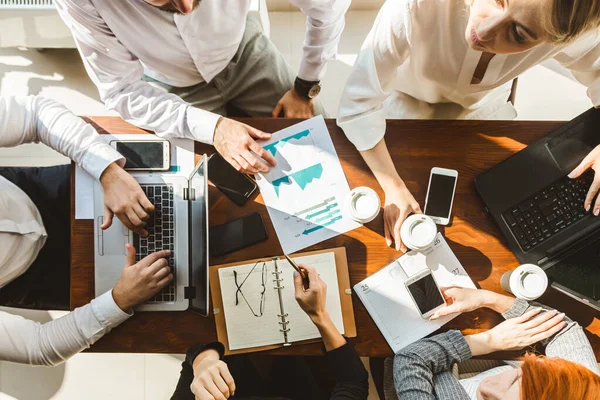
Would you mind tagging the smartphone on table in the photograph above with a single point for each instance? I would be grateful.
(144, 155)
(425, 293)
(440, 195)
(237, 234)
(235, 185)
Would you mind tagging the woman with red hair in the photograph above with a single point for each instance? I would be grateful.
(569, 370)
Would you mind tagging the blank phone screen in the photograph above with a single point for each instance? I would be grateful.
(426, 294)
(142, 154)
(237, 234)
(439, 199)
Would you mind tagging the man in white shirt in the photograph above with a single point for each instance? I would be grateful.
(35, 202)
(175, 66)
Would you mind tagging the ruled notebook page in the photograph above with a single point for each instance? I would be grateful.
(300, 325)
(244, 330)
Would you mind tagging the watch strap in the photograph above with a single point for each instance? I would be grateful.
(304, 87)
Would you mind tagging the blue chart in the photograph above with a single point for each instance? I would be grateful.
(322, 214)
(272, 148)
(302, 177)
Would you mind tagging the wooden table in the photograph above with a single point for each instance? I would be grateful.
(470, 147)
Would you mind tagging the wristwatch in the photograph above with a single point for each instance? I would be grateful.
(308, 89)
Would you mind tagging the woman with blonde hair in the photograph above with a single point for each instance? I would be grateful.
(426, 59)
(569, 370)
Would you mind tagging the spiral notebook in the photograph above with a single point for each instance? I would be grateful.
(255, 306)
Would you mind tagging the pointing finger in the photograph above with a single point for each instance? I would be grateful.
(257, 133)
(582, 167)
(108, 217)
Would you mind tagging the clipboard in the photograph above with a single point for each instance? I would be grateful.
(345, 293)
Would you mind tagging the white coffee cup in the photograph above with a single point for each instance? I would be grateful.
(418, 232)
(362, 204)
(527, 282)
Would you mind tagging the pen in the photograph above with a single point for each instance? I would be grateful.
(296, 267)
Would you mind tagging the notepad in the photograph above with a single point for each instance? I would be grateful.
(387, 300)
(260, 307)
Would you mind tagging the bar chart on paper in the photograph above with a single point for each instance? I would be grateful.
(304, 193)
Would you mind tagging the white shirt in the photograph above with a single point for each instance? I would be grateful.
(28, 342)
(417, 56)
(121, 40)
(35, 119)
(22, 233)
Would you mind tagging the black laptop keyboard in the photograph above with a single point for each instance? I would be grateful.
(549, 211)
(160, 235)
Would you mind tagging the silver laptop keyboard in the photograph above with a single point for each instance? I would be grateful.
(160, 235)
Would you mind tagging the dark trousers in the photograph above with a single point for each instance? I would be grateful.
(268, 377)
(45, 285)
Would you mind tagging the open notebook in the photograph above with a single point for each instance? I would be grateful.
(388, 302)
(260, 307)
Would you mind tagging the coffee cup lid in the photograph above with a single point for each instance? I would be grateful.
(530, 281)
(362, 204)
(418, 231)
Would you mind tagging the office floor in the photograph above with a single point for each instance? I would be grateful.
(544, 93)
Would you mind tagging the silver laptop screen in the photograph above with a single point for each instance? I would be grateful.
(199, 237)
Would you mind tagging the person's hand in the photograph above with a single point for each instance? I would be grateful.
(124, 197)
(235, 142)
(399, 204)
(459, 299)
(312, 299)
(592, 160)
(517, 333)
(294, 106)
(212, 379)
(139, 282)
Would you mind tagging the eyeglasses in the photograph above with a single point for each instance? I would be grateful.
(238, 292)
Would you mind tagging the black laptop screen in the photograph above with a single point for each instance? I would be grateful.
(580, 272)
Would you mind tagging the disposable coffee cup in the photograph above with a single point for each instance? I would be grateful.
(418, 232)
(362, 204)
(527, 282)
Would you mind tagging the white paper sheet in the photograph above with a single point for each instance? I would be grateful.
(305, 193)
(182, 156)
(388, 302)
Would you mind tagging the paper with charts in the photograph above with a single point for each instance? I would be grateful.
(387, 300)
(305, 192)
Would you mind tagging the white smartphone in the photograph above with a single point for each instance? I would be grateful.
(425, 293)
(440, 195)
(144, 155)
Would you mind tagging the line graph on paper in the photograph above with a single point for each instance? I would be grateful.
(304, 193)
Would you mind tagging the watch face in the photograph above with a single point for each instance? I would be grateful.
(314, 91)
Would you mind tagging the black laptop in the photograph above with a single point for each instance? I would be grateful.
(539, 209)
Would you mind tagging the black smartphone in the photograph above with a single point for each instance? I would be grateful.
(235, 185)
(237, 234)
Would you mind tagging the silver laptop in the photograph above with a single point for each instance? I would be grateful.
(179, 224)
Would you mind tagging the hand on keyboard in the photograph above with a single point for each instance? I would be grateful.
(142, 280)
(124, 197)
(592, 160)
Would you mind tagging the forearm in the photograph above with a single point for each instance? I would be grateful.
(167, 115)
(52, 343)
(416, 365)
(380, 162)
(496, 301)
(324, 27)
(31, 119)
(332, 338)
